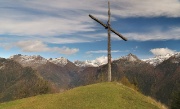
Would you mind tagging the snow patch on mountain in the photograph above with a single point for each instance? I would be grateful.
(36, 61)
(176, 58)
(87, 63)
(24, 59)
(133, 58)
(103, 60)
(92, 63)
(177, 55)
(59, 61)
(159, 59)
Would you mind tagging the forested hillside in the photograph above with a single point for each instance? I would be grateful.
(19, 82)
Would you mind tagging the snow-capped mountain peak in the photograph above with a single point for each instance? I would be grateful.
(160, 58)
(26, 60)
(87, 63)
(92, 63)
(59, 61)
(103, 60)
(130, 57)
(37, 60)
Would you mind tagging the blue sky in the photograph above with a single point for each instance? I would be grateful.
(62, 28)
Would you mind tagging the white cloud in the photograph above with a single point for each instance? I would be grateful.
(57, 17)
(43, 27)
(172, 33)
(59, 21)
(125, 8)
(38, 46)
(56, 40)
(66, 50)
(144, 8)
(102, 59)
(162, 51)
(32, 46)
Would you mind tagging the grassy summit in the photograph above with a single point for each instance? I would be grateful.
(96, 96)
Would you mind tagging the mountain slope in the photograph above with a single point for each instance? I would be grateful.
(137, 71)
(96, 96)
(59, 71)
(159, 59)
(19, 82)
(169, 83)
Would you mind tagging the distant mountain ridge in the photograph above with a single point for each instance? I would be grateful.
(129, 57)
(96, 63)
(59, 61)
(59, 71)
(153, 61)
(88, 63)
(36, 60)
(159, 59)
(25, 60)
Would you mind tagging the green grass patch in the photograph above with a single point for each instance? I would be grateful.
(96, 96)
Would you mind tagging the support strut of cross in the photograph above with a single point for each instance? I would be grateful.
(108, 26)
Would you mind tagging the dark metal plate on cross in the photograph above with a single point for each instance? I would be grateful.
(107, 26)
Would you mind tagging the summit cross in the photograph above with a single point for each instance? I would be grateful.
(109, 30)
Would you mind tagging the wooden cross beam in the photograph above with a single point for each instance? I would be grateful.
(121, 36)
(108, 26)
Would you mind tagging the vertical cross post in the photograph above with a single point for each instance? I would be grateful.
(109, 43)
(108, 26)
